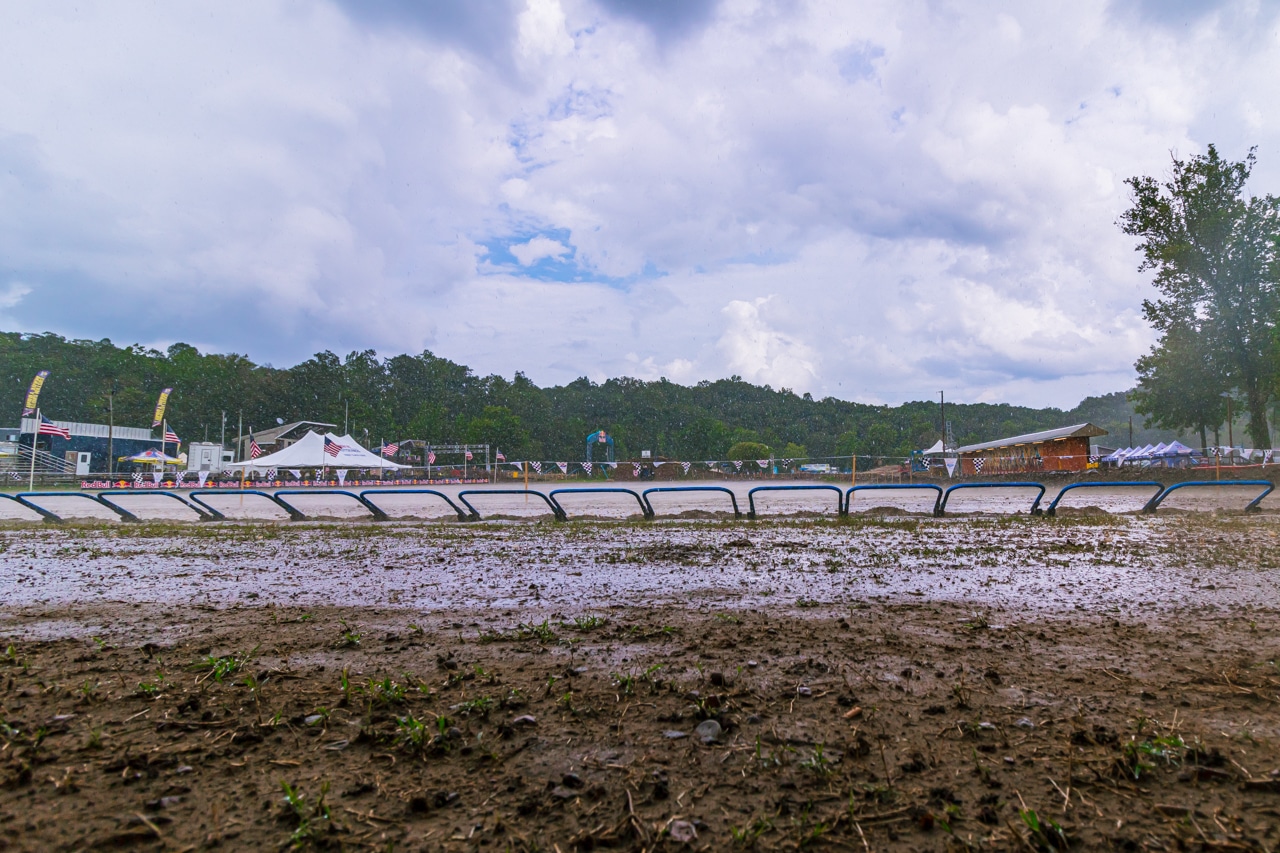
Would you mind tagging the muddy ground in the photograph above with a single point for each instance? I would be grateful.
(1091, 683)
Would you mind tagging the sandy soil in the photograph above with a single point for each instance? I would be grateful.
(876, 684)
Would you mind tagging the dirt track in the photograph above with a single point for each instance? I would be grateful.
(905, 684)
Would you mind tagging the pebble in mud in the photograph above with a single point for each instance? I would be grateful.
(708, 730)
(674, 735)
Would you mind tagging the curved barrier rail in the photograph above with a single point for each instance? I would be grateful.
(751, 495)
(105, 497)
(21, 498)
(195, 498)
(1052, 510)
(1266, 485)
(1035, 504)
(644, 510)
(475, 516)
(378, 514)
(737, 513)
(848, 495)
(41, 511)
(364, 495)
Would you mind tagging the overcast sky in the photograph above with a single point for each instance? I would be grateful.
(869, 200)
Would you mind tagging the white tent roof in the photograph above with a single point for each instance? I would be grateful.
(936, 450)
(308, 452)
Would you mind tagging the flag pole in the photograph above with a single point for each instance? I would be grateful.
(35, 435)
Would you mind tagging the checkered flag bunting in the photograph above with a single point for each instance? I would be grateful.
(977, 465)
(536, 466)
(686, 466)
(271, 473)
(137, 478)
(737, 464)
(636, 466)
(586, 466)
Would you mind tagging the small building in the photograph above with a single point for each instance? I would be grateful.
(278, 438)
(1062, 449)
(96, 440)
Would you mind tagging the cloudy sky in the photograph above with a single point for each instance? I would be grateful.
(870, 200)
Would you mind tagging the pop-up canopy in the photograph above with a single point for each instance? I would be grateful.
(310, 452)
(150, 457)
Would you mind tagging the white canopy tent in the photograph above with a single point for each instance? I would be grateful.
(309, 452)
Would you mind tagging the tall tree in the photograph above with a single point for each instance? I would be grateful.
(1216, 259)
(1177, 386)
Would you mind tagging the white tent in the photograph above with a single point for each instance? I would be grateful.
(309, 452)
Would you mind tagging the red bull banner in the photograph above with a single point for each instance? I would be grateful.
(160, 404)
(33, 393)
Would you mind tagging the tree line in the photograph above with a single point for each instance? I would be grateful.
(433, 399)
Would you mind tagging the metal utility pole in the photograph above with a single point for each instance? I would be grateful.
(942, 404)
(111, 430)
(346, 415)
(1131, 430)
(223, 438)
(239, 435)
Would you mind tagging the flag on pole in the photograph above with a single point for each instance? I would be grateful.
(171, 437)
(33, 393)
(254, 450)
(431, 457)
(390, 449)
(48, 427)
(332, 447)
(498, 455)
(158, 418)
(469, 456)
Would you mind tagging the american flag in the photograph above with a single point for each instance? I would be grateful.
(254, 450)
(332, 447)
(498, 455)
(390, 449)
(469, 456)
(171, 437)
(48, 427)
(431, 457)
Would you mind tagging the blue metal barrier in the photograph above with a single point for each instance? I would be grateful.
(462, 516)
(21, 498)
(378, 515)
(41, 511)
(751, 495)
(105, 496)
(230, 493)
(1267, 486)
(1035, 504)
(644, 510)
(737, 513)
(848, 495)
(1053, 505)
(475, 516)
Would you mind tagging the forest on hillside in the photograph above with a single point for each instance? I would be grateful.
(433, 399)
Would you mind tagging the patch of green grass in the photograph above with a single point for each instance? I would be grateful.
(481, 706)
(818, 763)
(222, 666)
(310, 819)
(1046, 834)
(586, 623)
(385, 692)
(350, 635)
